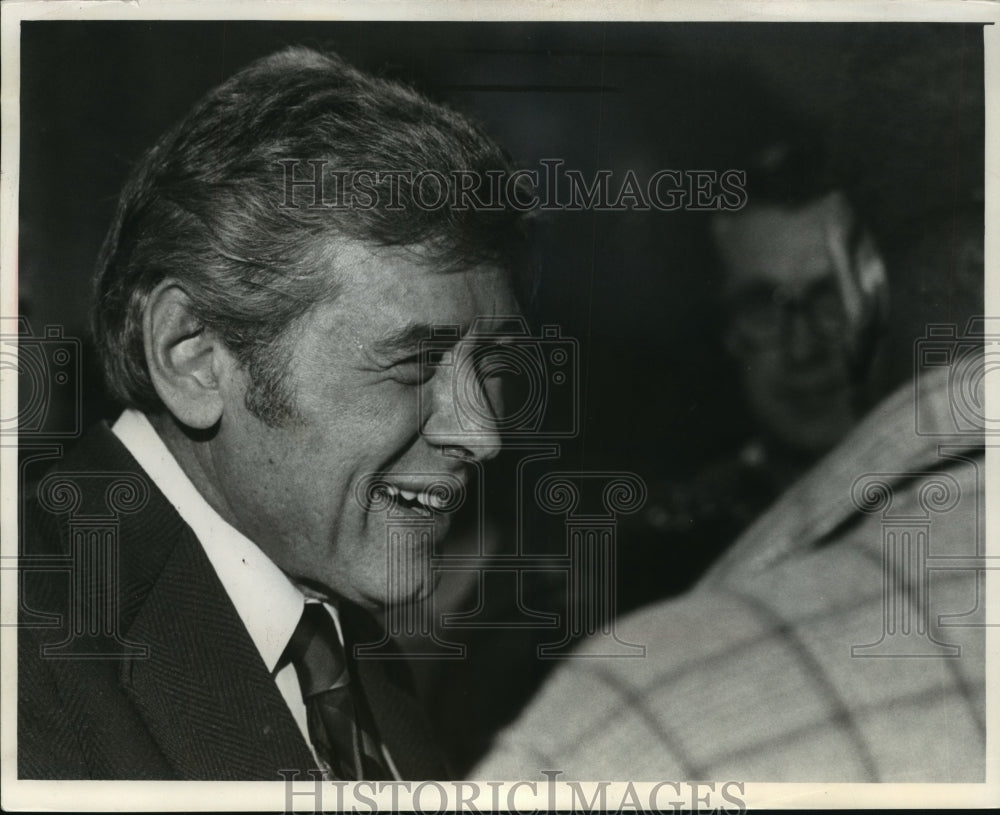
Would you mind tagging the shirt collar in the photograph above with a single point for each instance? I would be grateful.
(267, 601)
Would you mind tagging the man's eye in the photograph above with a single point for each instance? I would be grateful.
(413, 370)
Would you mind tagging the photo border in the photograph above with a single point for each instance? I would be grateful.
(270, 796)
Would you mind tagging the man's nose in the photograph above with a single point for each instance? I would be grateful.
(800, 338)
(466, 410)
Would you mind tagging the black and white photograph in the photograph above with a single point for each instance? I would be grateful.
(494, 409)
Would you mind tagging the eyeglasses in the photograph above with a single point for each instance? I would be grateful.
(763, 312)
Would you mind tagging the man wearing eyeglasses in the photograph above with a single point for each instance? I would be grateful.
(822, 644)
(803, 291)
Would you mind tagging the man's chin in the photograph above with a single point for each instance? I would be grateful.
(401, 611)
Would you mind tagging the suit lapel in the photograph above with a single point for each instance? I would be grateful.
(204, 691)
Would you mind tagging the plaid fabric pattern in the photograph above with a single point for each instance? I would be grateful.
(752, 676)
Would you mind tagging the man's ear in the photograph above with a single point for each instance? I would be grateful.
(188, 364)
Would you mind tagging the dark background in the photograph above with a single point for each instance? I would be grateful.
(900, 106)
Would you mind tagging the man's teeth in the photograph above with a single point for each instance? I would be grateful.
(425, 499)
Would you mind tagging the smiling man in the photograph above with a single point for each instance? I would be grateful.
(267, 349)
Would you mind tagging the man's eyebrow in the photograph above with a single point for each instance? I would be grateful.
(406, 339)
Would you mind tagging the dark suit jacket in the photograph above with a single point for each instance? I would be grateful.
(174, 687)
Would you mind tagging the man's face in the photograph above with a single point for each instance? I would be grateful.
(788, 323)
(366, 405)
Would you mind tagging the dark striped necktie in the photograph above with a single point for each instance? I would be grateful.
(341, 739)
